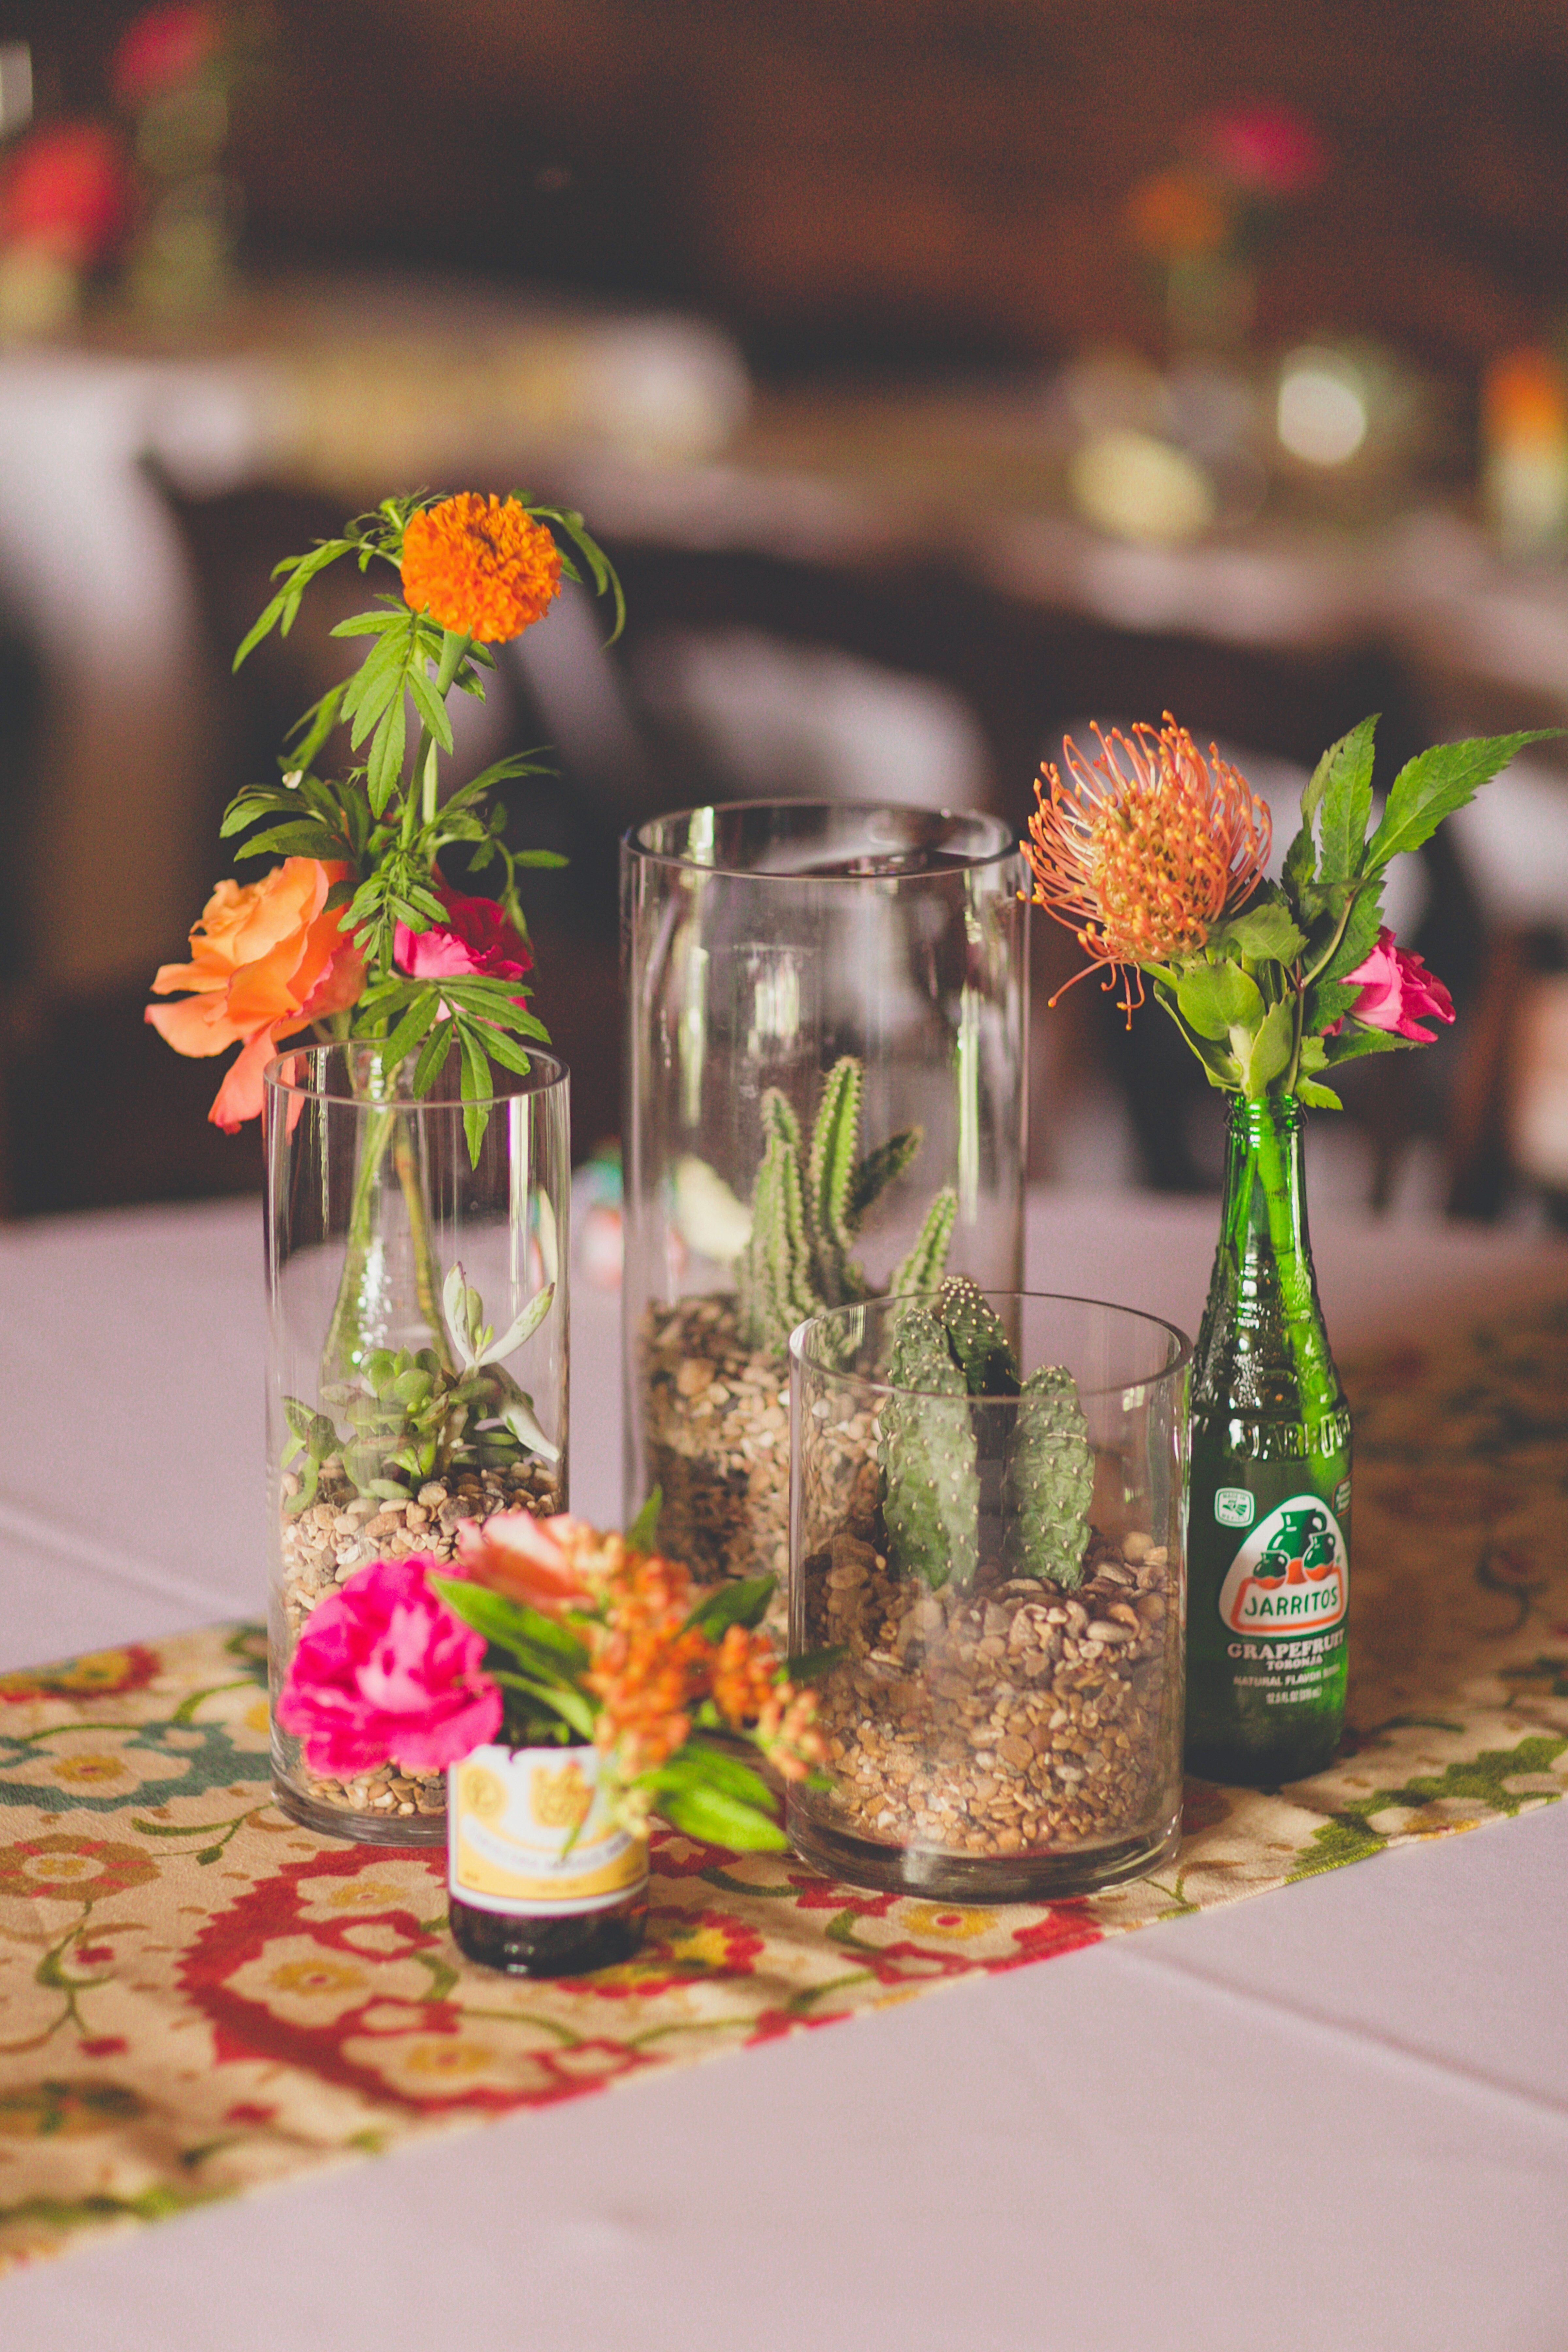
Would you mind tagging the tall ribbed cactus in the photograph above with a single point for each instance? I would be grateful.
(808, 1209)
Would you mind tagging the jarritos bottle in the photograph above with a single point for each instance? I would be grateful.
(542, 1880)
(1269, 1527)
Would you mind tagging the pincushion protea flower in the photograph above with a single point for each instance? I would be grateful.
(1147, 848)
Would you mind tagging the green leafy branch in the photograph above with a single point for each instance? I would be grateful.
(1256, 1005)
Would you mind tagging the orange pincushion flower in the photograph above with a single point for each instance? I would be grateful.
(482, 567)
(1148, 849)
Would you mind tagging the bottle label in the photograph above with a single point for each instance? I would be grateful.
(529, 1834)
(1290, 1578)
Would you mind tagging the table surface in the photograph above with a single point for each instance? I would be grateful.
(1338, 2115)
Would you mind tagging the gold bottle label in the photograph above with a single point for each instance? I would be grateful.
(529, 1834)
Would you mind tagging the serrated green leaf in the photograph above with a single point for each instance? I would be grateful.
(1353, 1042)
(1316, 1096)
(475, 1092)
(1266, 929)
(431, 708)
(385, 764)
(1346, 803)
(1300, 862)
(1214, 999)
(433, 1056)
(1436, 783)
(299, 840)
(410, 1029)
(1360, 937)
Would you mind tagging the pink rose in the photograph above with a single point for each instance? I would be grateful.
(1397, 992)
(384, 1669)
(476, 938)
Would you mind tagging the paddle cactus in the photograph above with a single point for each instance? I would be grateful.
(808, 1206)
(1049, 1478)
(950, 1364)
(930, 1502)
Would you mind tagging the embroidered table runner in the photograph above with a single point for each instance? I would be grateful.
(197, 1996)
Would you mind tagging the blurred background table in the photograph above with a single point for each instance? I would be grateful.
(1340, 2113)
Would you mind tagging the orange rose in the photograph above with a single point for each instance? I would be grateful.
(268, 958)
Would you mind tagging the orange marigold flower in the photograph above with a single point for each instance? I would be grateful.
(1146, 850)
(482, 567)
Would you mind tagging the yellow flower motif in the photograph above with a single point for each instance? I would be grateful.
(90, 1772)
(948, 1919)
(317, 1977)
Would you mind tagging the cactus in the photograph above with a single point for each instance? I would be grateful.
(979, 1347)
(1048, 1480)
(796, 1260)
(946, 1362)
(930, 1502)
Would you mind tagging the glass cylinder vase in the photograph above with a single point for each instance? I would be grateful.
(827, 1011)
(987, 1522)
(417, 1352)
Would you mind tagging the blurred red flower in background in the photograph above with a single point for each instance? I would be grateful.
(161, 49)
(65, 188)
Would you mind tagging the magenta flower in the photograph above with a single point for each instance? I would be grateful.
(384, 1670)
(1398, 992)
(475, 938)
(1267, 147)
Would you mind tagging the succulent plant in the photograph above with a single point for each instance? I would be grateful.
(414, 1414)
(808, 1206)
(1049, 1479)
(949, 1359)
(931, 1498)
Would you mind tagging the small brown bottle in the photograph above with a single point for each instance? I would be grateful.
(542, 1881)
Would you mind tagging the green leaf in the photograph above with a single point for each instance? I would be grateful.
(1318, 1097)
(1436, 783)
(476, 1090)
(810, 1666)
(433, 1056)
(1300, 862)
(1346, 794)
(301, 839)
(386, 757)
(411, 1028)
(559, 1697)
(643, 1532)
(1264, 931)
(741, 1601)
(511, 1624)
(701, 1764)
(717, 1819)
(1351, 1043)
(1215, 999)
(1360, 935)
(1264, 1055)
(431, 708)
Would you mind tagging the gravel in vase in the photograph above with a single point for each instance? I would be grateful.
(338, 1534)
(1008, 1716)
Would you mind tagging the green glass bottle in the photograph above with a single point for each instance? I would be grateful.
(1268, 1524)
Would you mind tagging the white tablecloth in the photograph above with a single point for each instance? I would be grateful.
(1337, 2115)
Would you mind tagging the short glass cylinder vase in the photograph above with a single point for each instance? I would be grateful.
(416, 1351)
(541, 1881)
(987, 1517)
(826, 1047)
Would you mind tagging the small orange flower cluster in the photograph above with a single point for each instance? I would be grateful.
(748, 1688)
(1148, 849)
(483, 568)
(647, 1668)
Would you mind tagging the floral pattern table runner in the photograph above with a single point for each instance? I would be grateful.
(197, 1996)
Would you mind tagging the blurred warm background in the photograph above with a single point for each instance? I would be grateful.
(941, 375)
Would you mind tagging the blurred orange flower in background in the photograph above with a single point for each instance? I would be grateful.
(1177, 213)
(482, 567)
(267, 957)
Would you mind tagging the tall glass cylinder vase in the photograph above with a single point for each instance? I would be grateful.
(417, 1352)
(827, 1012)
